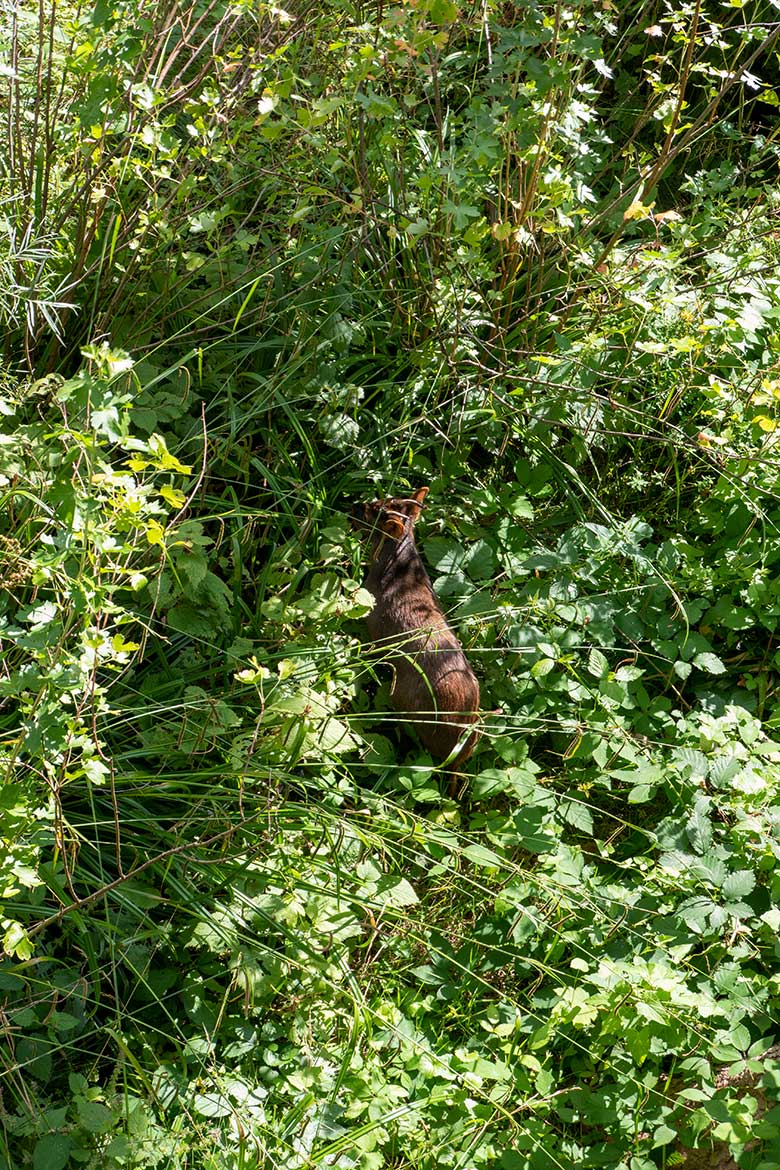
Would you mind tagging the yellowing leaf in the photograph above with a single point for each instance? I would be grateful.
(154, 532)
(637, 210)
(173, 497)
(766, 423)
(120, 646)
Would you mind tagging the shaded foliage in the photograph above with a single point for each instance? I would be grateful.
(259, 264)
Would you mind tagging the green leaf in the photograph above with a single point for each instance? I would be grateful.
(521, 507)
(52, 1152)
(663, 1135)
(640, 794)
(598, 664)
(95, 1117)
(482, 856)
(699, 827)
(480, 561)
(392, 890)
(578, 815)
(739, 885)
(710, 663)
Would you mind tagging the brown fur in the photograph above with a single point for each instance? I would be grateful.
(433, 684)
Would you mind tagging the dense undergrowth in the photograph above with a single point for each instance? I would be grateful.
(259, 264)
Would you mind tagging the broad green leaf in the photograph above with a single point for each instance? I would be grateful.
(710, 663)
(482, 856)
(598, 664)
(578, 815)
(52, 1152)
(96, 1117)
(739, 884)
(392, 890)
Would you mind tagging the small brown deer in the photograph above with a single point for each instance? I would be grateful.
(433, 684)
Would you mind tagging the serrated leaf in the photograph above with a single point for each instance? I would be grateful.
(738, 885)
(628, 673)
(698, 826)
(598, 664)
(94, 1116)
(444, 555)
(696, 762)
(723, 770)
(522, 508)
(695, 914)
(578, 815)
(489, 782)
(173, 496)
(480, 561)
(52, 1152)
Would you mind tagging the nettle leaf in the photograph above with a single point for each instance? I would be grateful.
(52, 1152)
(95, 1117)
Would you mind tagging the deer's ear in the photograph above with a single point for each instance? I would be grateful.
(416, 508)
(393, 527)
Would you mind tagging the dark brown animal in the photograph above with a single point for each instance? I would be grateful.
(433, 684)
